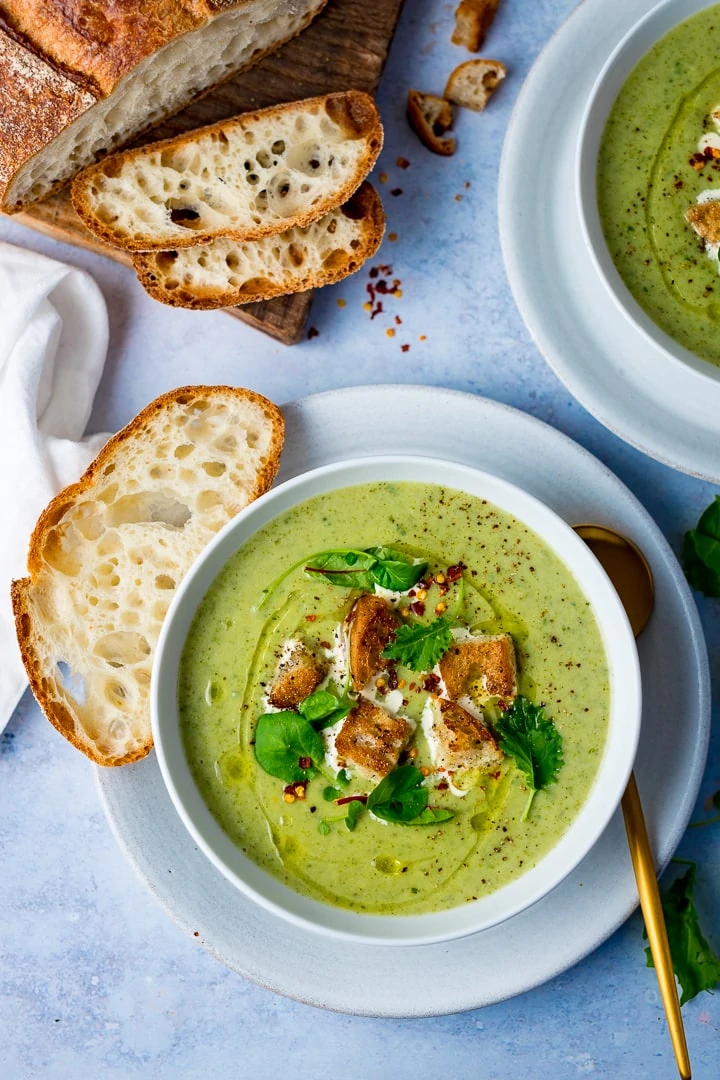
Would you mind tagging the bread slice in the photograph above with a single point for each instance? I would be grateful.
(254, 175)
(223, 272)
(80, 80)
(430, 117)
(108, 552)
(473, 19)
(472, 84)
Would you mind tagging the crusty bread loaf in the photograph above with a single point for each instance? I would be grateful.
(472, 84)
(107, 553)
(251, 176)
(226, 272)
(80, 79)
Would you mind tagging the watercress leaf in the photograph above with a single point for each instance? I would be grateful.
(354, 810)
(349, 569)
(695, 964)
(281, 739)
(431, 815)
(324, 827)
(342, 779)
(528, 736)
(419, 647)
(323, 708)
(701, 552)
(400, 797)
(330, 794)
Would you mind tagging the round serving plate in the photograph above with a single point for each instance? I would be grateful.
(510, 958)
(616, 366)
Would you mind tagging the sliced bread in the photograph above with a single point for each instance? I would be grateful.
(108, 552)
(472, 84)
(223, 272)
(254, 175)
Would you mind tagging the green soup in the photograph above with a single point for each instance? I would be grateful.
(650, 172)
(512, 583)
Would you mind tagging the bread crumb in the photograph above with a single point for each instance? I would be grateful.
(423, 337)
(340, 302)
(390, 332)
(396, 191)
(402, 163)
(383, 178)
(313, 332)
(405, 348)
(398, 320)
(458, 198)
(392, 237)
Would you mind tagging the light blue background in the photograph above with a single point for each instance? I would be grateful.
(95, 980)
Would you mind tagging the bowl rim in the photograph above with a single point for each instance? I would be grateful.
(528, 888)
(626, 55)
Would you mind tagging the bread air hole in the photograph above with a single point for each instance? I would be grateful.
(213, 468)
(122, 648)
(116, 693)
(184, 450)
(164, 581)
(62, 550)
(149, 506)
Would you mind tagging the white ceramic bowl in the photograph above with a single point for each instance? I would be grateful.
(605, 794)
(620, 64)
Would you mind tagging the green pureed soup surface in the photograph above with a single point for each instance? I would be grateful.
(651, 171)
(512, 582)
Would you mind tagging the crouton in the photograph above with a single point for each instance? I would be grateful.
(487, 660)
(371, 739)
(298, 674)
(472, 22)
(705, 220)
(459, 741)
(430, 117)
(371, 624)
(472, 84)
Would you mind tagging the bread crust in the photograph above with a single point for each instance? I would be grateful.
(487, 73)
(54, 710)
(361, 118)
(430, 117)
(40, 97)
(364, 204)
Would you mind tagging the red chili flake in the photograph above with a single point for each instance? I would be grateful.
(313, 332)
(396, 191)
(417, 608)
(374, 271)
(454, 572)
(496, 775)
(405, 348)
(431, 683)
(378, 310)
(411, 592)
(443, 785)
(382, 287)
(297, 790)
(304, 762)
(385, 269)
(325, 645)
(310, 618)
(412, 686)
(398, 320)
(707, 153)
(196, 933)
(503, 706)
(392, 678)
(405, 702)
(352, 798)
(402, 163)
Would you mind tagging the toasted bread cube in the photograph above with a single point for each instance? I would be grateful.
(705, 220)
(298, 674)
(459, 741)
(472, 22)
(491, 660)
(472, 84)
(371, 739)
(430, 117)
(371, 624)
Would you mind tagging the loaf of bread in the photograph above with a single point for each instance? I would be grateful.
(226, 272)
(108, 552)
(80, 79)
(251, 176)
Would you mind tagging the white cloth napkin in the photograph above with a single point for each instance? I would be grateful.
(53, 342)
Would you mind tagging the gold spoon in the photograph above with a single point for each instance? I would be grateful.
(628, 569)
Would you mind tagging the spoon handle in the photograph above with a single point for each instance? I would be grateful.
(651, 906)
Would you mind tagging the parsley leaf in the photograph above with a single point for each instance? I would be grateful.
(419, 647)
(701, 552)
(695, 965)
(354, 569)
(323, 708)
(281, 740)
(528, 736)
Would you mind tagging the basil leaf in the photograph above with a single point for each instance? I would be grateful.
(419, 647)
(323, 708)
(281, 739)
(431, 816)
(528, 736)
(354, 810)
(695, 964)
(701, 552)
(350, 569)
(400, 797)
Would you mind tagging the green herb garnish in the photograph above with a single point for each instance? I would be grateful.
(402, 799)
(324, 827)
(324, 708)
(353, 569)
(419, 647)
(695, 964)
(526, 734)
(701, 552)
(354, 810)
(282, 741)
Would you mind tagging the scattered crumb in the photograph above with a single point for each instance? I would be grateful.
(313, 332)
(340, 302)
(423, 337)
(367, 306)
(398, 320)
(383, 178)
(396, 191)
(458, 198)
(392, 237)
(390, 332)
(467, 183)
(402, 163)
(405, 348)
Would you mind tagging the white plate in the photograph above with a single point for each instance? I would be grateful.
(572, 920)
(667, 409)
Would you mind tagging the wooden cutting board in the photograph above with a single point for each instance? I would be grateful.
(344, 47)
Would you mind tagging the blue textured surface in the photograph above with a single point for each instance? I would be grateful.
(95, 981)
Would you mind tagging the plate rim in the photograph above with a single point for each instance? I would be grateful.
(702, 674)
